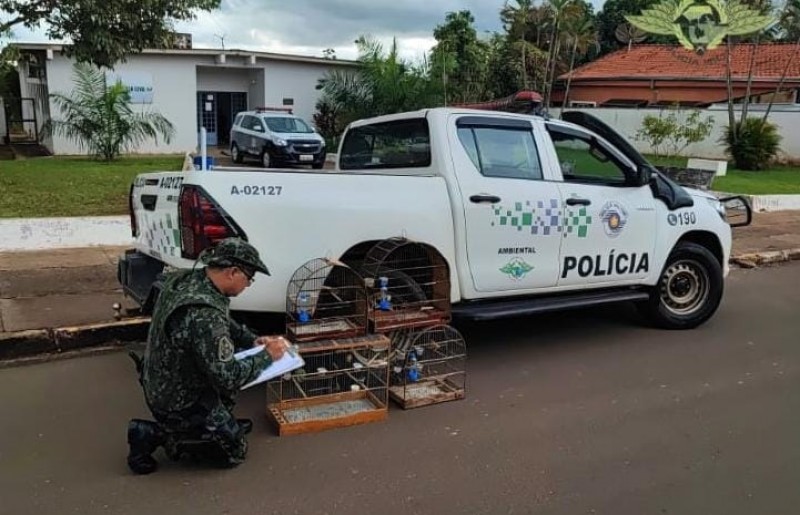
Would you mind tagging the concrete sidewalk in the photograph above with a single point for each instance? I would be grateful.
(47, 290)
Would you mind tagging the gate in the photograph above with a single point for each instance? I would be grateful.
(21, 123)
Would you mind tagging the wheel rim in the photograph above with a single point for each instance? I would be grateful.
(684, 287)
(235, 153)
(265, 159)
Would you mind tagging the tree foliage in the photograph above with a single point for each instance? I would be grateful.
(102, 32)
(459, 59)
(383, 83)
(98, 116)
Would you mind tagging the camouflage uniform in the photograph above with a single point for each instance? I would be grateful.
(189, 375)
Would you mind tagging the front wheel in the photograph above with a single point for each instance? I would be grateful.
(689, 290)
(266, 160)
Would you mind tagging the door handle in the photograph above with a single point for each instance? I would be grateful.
(480, 199)
(149, 202)
(572, 201)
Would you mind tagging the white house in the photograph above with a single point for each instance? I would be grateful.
(190, 87)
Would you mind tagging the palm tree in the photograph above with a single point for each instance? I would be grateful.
(98, 116)
(581, 34)
(561, 10)
(383, 83)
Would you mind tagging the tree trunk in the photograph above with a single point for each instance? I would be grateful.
(749, 78)
(551, 56)
(729, 84)
(565, 104)
(783, 78)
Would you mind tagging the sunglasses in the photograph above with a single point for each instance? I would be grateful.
(251, 275)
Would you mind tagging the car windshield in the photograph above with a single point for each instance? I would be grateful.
(287, 124)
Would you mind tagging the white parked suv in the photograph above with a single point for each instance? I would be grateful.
(276, 138)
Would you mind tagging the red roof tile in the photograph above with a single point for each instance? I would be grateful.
(667, 61)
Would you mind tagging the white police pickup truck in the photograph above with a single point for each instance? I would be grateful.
(530, 215)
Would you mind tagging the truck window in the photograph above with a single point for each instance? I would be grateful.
(502, 152)
(400, 144)
(584, 159)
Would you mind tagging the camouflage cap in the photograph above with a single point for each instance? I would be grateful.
(234, 252)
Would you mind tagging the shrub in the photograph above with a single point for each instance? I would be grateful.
(753, 145)
(668, 137)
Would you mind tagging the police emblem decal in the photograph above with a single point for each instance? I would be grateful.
(225, 349)
(614, 217)
(516, 269)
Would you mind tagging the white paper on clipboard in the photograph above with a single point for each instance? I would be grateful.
(291, 360)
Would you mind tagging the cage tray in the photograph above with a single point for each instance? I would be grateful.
(326, 412)
(406, 318)
(426, 392)
(327, 329)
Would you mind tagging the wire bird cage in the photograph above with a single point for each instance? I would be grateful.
(428, 367)
(325, 299)
(408, 284)
(337, 387)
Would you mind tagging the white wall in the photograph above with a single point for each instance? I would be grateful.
(291, 80)
(2, 122)
(628, 121)
(177, 78)
(174, 87)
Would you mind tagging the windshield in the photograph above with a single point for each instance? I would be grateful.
(287, 124)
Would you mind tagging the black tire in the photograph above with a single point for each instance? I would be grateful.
(688, 291)
(265, 158)
(318, 166)
(236, 154)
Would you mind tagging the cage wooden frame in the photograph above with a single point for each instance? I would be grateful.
(293, 399)
(418, 283)
(333, 297)
(438, 354)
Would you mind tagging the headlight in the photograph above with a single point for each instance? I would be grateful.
(279, 142)
(717, 205)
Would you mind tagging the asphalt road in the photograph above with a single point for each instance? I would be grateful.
(577, 413)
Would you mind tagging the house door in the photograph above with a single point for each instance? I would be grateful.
(207, 116)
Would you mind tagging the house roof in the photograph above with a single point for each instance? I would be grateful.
(58, 47)
(643, 62)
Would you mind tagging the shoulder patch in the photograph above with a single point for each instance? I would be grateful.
(225, 349)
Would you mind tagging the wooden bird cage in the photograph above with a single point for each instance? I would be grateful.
(428, 367)
(337, 387)
(325, 299)
(408, 285)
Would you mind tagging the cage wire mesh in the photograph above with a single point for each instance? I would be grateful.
(408, 283)
(325, 299)
(333, 389)
(428, 367)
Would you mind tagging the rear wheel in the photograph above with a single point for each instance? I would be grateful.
(689, 290)
(236, 154)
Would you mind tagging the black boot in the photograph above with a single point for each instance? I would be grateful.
(144, 437)
(245, 425)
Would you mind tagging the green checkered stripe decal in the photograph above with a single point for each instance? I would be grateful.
(162, 235)
(577, 223)
(543, 217)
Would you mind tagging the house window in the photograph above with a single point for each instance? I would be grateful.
(288, 101)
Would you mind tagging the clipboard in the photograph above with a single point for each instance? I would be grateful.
(291, 360)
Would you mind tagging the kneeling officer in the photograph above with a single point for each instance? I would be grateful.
(189, 375)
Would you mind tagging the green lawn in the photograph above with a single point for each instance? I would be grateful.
(73, 186)
(778, 180)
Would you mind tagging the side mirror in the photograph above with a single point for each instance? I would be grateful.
(643, 175)
(258, 128)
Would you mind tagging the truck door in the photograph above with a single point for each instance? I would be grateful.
(609, 218)
(511, 217)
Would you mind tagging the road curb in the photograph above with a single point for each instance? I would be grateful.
(754, 259)
(21, 344)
